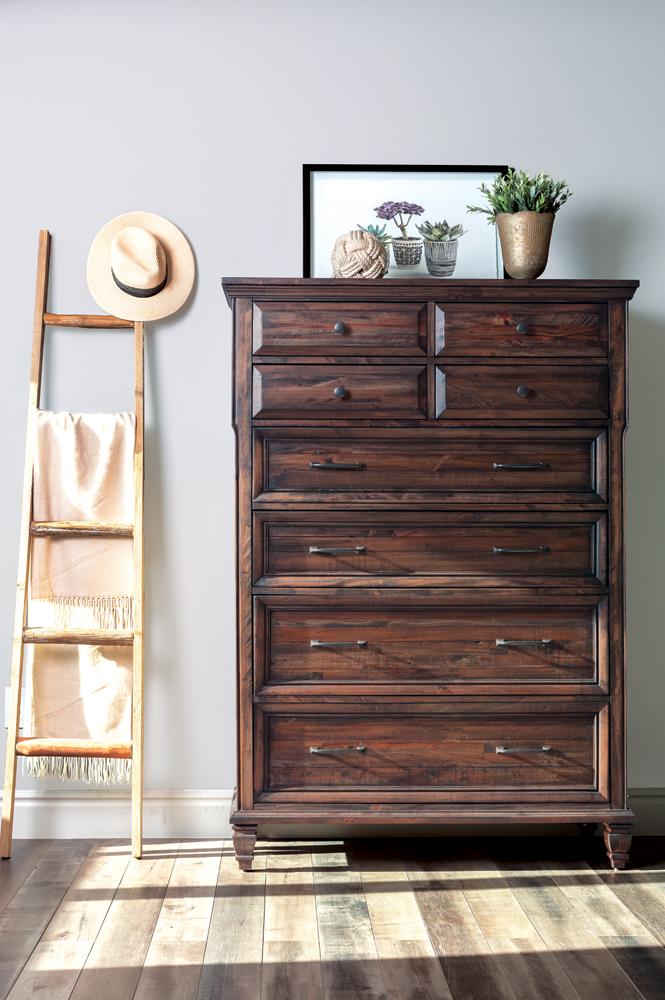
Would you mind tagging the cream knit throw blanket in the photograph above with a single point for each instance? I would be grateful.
(83, 472)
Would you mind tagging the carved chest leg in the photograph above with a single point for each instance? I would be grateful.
(244, 841)
(618, 837)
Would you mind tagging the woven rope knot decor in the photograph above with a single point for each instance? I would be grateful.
(358, 255)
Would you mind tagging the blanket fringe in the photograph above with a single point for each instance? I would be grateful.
(114, 613)
(93, 770)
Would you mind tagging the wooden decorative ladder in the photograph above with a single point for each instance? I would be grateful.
(22, 635)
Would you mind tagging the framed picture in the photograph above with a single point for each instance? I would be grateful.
(337, 199)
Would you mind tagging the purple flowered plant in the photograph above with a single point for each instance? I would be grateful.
(396, 210)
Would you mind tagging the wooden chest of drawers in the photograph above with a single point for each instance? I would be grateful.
(430, 553)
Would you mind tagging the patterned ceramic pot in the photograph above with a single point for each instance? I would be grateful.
(441, 257)
(525, 242)
(407, 252)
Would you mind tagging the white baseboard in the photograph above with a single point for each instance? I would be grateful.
(62, 814)
(203, 813)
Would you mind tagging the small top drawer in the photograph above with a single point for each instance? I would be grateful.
(328, 328)
(552, 330)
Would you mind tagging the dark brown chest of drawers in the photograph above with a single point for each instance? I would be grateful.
(430, 553)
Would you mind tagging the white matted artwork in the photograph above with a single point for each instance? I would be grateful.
(338, 199)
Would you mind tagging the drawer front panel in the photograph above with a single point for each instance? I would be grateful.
(336, 392)
(320, 328)
(474, 751)
(561, 547)
(520, 391)
(497, 463)
(481, 646)
(522, 330)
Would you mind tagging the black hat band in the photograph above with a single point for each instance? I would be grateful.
(140, 293)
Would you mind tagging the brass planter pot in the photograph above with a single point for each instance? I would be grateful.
(525, 242)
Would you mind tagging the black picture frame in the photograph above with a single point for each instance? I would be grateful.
(310, 168)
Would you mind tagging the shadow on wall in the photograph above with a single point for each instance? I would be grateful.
(606, 243)
(645, 545)
(164, 624)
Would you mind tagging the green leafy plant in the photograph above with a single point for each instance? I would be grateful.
(517, 191)
(440, 232)
(378, 232)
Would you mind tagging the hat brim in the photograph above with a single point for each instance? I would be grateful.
(180, 263)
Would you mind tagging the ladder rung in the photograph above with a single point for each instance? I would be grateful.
(39, 746)
(88, 528)
(79, 636)
(100, 322)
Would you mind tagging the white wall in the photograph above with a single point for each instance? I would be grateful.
(204, 112)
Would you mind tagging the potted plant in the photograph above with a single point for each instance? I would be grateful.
(441, 241)
(379, 233)
(407, 250)
(523, 208)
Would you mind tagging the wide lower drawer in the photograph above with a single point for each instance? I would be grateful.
(510, 752)
(506, 465)
(336, 392)
(523, 330)
(545, 392)
(369, 645)
(310, 548)
(340, 328)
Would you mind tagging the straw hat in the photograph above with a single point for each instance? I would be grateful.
(140, 267)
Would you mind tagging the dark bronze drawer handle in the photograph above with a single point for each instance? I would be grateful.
(325, 644)
(320, 550)
(519, 467)
(543, 749)
(500, 550)
(523, 390)
(359, 749)
(339, 327)
(523, 642)
(340, 392)
(522, 327)
(337, 465)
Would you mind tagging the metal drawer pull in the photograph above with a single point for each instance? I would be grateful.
(523, 642)
(543, 749)
(339, 327)
(519, 467)
(500, 550)
(340, 392)
(358, 749)
(320, 550)
(337, 465)
(323, 643)
(522, 327)
(522, 390)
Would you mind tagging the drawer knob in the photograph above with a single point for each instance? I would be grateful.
(358, 749)
(543, 749)
(340, 392)
(521, 466)
(523, 642)
(522, 390)
(501, 550)
(339, 327)
(522, 326)
(329, 644)
(357, 466)
(326, 550)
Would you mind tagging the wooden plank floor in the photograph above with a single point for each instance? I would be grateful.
(430, 919)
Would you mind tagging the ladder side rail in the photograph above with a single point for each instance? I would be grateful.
(36, 364)
(138, 649)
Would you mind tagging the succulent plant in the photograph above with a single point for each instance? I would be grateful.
(440, 232)
(516, 191)
(378, 232)
(396, 210)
